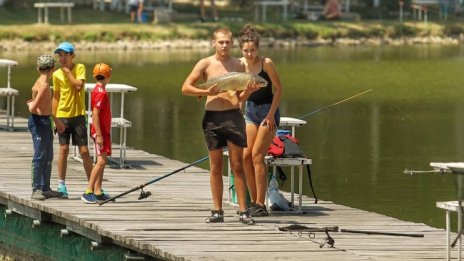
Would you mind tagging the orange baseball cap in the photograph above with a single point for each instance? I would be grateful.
(102, 69)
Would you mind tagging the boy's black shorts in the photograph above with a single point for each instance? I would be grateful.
(76, 128)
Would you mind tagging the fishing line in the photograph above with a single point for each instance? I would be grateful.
(403, 112)
(326, 133)
(411, 118)
(326, 129)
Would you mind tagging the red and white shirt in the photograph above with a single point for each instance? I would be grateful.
(100, 101)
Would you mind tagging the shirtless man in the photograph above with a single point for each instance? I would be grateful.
(39, 125)
(223, 124)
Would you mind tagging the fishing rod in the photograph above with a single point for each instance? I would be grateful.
(368, 232)
(434, 171)
(334, 104)
(146, 194)
(330, 241)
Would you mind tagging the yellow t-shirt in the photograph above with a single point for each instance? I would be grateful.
(72, 101)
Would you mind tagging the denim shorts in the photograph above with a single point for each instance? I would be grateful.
(255, 113)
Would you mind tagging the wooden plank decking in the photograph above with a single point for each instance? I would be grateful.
(170, 224)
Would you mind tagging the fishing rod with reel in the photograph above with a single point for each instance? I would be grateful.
(146, 194)
(329, 241)
(457, 170)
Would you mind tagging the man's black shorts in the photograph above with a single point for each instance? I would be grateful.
(222, 126)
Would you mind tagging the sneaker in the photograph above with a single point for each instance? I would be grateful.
(217, 216)
(63, 190)
(245, 218)
(258, 211)
(250, 207)
(106, 193)
(89, 198)
(103, 197)
(37, 195)
(52, 194)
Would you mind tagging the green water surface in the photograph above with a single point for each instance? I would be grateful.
(412, 116)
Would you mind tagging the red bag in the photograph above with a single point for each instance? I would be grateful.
(276, 149)
(285, 146)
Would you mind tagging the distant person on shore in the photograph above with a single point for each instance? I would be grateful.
(135, 9)
(332, 10)
(100, 132)
(68, 106)
(214, 11)
(40, 126)
(262, 119)
(223, 124)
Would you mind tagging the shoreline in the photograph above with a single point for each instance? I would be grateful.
(131, 45)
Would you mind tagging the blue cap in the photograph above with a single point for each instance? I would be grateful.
(65, 47)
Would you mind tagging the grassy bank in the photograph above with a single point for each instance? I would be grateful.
(95, 26)
(113, 32)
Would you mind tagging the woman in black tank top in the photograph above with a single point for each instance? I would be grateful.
(262, 118)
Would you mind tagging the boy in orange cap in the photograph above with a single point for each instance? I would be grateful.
(100, 132)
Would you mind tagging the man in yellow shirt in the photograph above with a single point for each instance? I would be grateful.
(68, 106)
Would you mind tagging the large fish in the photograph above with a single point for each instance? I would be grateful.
(234, 81)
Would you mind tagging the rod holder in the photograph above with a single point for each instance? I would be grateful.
(129, 256)
(35, 223)
(8, 212)
(64, 232)
(94, 245)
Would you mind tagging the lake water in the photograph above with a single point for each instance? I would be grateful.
(360, 148)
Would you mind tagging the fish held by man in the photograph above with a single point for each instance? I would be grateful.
(234, 81)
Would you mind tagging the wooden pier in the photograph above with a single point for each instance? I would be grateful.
(170, 225)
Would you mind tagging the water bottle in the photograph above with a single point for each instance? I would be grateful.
(273, 184)
(276, 200)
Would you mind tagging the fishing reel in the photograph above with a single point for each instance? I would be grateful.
(328, 241)
(144, 194)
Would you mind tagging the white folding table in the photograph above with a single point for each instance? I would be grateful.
(45, 6)
(9, 93)
(456, 168)
(283, 162)
(264, 4)
(116, 122)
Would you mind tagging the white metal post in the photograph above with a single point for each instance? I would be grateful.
(448, 228)
(46, 14)
(459, 230)
(300, 189)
